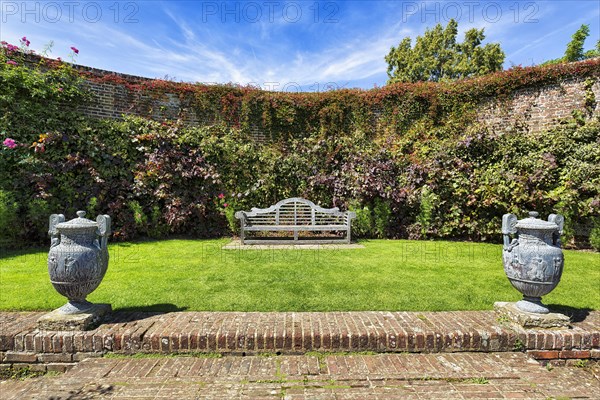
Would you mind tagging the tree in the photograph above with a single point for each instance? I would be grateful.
(437, 56)
(593, 52)
(574, 50)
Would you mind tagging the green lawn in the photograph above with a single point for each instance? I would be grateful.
(386, 275)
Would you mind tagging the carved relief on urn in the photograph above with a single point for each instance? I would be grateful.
(533, 259)
(78, 258)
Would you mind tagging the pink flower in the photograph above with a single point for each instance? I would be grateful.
(10, 143)
(60, 89)
(11, 47)
(225, 204)
(75, 49)
(24, 39)
(221, 196)
(59, 59)
(11, 62)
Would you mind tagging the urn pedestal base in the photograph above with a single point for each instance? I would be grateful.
(532, 305)
(57, 320)
(531, 320)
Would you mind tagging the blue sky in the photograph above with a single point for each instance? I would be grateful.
(282, 45)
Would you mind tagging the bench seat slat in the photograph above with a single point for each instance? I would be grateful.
(291, 222)
(298, 216)
(298, 220)
(289, 241)
(295, 227)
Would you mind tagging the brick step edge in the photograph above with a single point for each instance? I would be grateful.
(62, 362)
(39, 367)
(430, 342)
(564, 354)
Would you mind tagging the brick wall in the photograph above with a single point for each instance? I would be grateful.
(113, 100)
(537, 109)
(530, 108)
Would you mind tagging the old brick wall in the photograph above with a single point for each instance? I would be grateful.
(113, 99)
(532, 108)
(539, 108)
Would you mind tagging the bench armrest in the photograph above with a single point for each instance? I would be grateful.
(351, 216)
(241, 216)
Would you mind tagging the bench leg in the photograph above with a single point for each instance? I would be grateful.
(348, 237)
(242, 235)
(295, 236)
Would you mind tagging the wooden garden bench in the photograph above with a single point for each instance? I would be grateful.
(295, 215)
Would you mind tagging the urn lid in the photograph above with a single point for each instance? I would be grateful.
(78, 224)
(534, 223)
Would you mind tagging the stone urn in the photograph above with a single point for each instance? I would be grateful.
(78, 258)
(532, 257)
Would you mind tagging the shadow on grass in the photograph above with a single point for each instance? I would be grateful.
(36, 251)
(131, 314)
(153, 308)
(576, 314)
(41, 250)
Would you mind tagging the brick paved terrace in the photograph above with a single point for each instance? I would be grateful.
(341, 355)
(334, 376)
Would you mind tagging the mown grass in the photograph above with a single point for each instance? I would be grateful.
(179, 274)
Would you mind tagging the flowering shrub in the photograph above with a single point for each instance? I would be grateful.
(34, 100)
(10, 143)
(228, 206)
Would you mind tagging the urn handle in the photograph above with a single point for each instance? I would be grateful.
(55, 219)
(509, 222)
(559, 220)
(103, 230)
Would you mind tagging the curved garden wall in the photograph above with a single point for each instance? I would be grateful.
(413, 160)
(535, 104)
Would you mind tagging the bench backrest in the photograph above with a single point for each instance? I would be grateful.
(297, 211)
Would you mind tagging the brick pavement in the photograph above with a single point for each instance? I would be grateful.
(429, 355)
(333, 376)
